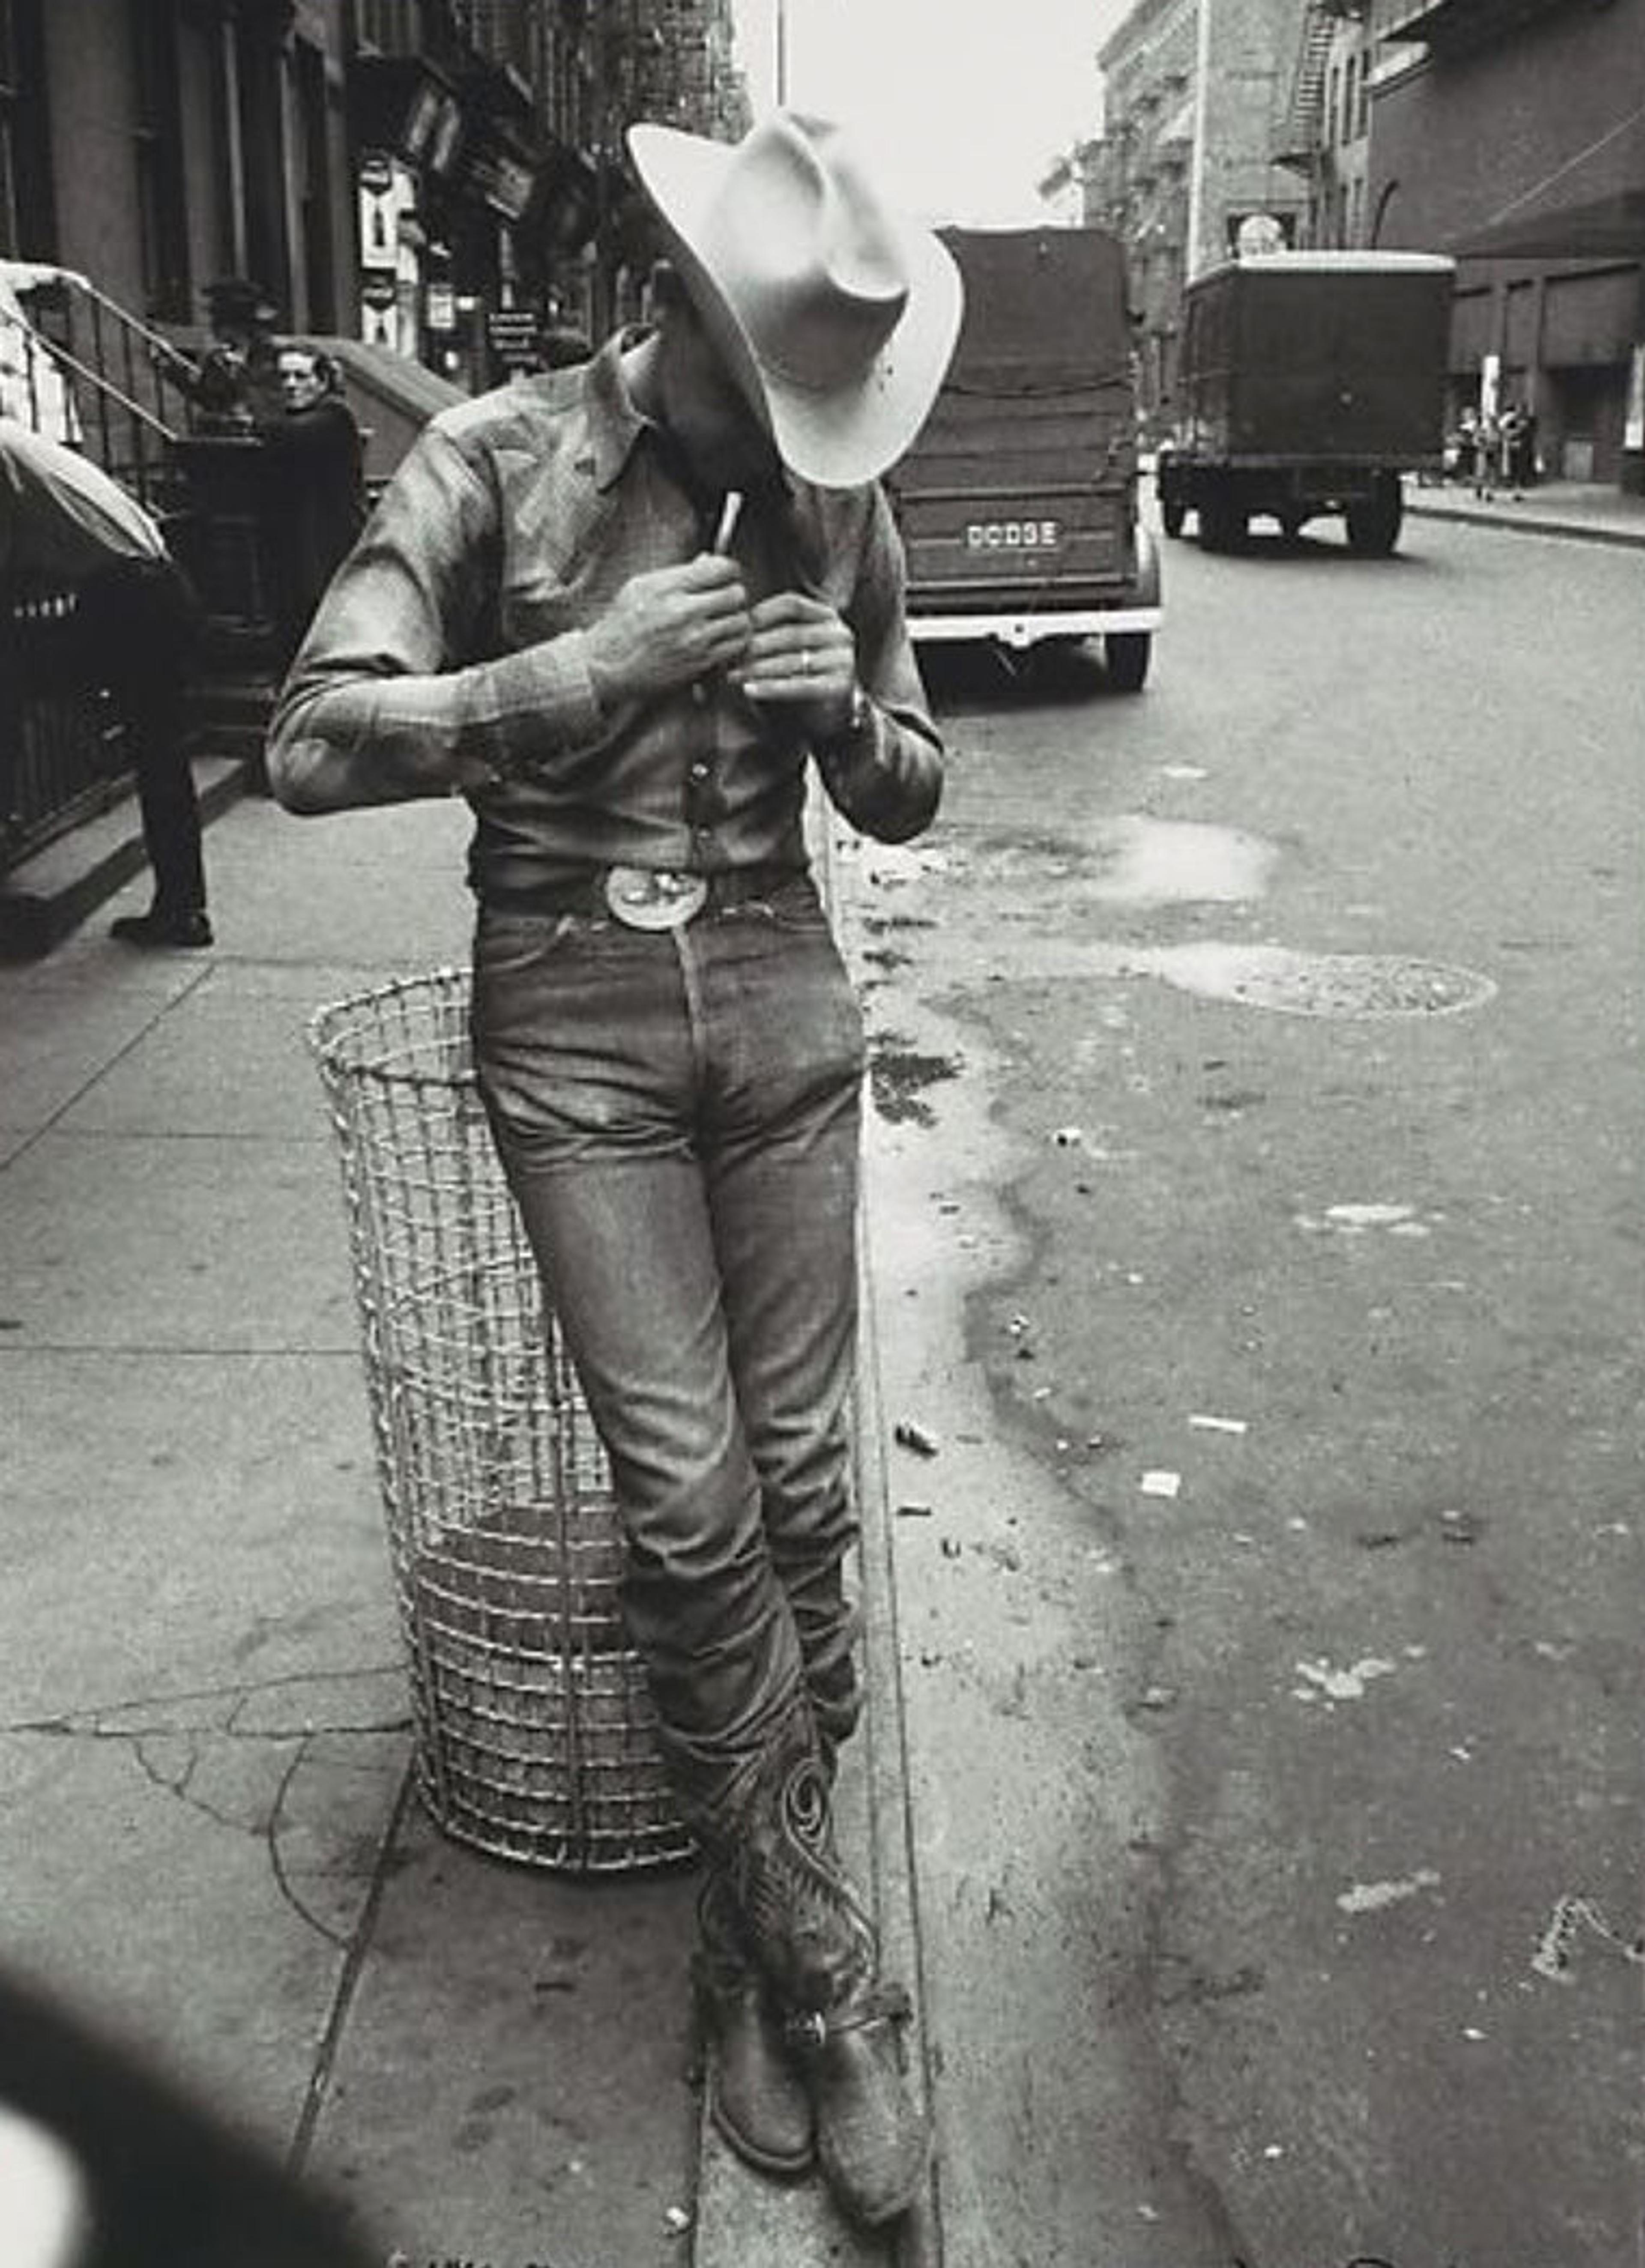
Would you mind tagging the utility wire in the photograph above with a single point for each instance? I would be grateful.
(1559, 172)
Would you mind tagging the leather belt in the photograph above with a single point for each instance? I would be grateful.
(646, 897)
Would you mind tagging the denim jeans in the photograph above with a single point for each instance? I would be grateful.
(678, 1113)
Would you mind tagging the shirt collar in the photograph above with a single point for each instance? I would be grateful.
(615, 421)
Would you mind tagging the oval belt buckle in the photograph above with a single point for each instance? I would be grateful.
(645, 897)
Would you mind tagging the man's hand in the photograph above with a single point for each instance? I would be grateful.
(801, 657)
(669, 626)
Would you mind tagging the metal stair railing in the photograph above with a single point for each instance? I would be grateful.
(98, 376)
(80, 368)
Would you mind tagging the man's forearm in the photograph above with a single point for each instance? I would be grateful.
(342, 738)
(886, 778)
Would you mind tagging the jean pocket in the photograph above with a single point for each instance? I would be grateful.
(513, 944)
(795, 908)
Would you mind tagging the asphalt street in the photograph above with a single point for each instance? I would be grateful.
(1257, 1178)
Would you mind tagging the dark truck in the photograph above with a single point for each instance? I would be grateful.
(1308, 383)
(1018, 500)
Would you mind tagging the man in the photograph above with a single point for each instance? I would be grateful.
(314, 485)
(66, 527)
(558, 611)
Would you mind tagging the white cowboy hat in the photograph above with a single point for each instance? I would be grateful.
(835, 316)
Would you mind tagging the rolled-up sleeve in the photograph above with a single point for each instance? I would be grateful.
(887, 780)
(384, 703)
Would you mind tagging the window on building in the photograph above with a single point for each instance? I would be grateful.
(10, 92)
(27, 215)
(389, 27)
(157, 146)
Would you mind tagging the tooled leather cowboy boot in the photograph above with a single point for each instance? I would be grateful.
(757, 2098)
(821, 1953)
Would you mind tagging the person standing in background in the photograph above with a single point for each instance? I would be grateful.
(1487, 454)
(131, 631)
(313, 488)
(1509, 428)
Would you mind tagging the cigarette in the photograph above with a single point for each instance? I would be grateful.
(728, 512)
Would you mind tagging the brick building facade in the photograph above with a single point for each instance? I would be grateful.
(394, 170)
(1515, 139)
(1186, 159)
(1507, 132)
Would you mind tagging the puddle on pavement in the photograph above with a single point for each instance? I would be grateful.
(1163, 861)
(1132, 859)
(1346, 984)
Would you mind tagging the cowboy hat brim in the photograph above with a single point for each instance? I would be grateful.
(835, 436)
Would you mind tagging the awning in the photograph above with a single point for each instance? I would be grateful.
(1591, 208)
(564, 202)
(401, 103)
(1605, 228)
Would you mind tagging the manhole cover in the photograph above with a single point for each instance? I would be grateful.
(1322, 983)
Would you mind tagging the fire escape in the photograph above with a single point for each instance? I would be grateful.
(1300, 143)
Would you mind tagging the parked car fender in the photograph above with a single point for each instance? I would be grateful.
(1147, 591)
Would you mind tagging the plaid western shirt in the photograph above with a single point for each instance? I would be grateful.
(456, 628)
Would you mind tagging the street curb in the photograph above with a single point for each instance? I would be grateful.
(917, 2240)
(1583, 531)
(741, 2220)
(919, 2237)
(49, 895)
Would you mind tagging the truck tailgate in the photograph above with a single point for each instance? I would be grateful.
(1007, 493)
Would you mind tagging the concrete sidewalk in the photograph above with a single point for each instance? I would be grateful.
(1584, 509)
(208, 1845)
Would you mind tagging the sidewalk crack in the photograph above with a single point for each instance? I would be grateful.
(174, 1753)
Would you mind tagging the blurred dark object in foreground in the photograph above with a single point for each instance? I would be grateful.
(149, 2179)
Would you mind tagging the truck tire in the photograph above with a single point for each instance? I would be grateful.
(1125, 656)
(1223, 525)
(1374, 524)
(1173, 512)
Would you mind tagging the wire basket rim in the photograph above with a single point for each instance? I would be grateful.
(329, 1035)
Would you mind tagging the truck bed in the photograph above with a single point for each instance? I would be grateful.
(1296, 357)
(1028, 490)
(1019, 492)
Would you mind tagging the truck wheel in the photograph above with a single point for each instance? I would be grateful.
(1290, 525)
(1222, 524)
(1173, 512)
(1125, 655)
(1373, 526)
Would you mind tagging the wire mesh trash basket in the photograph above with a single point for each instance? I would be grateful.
(535, 1733)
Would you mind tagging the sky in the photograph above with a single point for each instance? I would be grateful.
(962, 105)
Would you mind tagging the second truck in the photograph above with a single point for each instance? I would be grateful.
(1308, 383)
